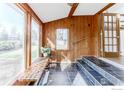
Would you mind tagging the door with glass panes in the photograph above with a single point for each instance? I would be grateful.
(111, 35)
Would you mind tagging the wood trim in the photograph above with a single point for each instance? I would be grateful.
(67, 18)
(99, 34)
(26, 40)
(29, 41)
(56, 20)
(118, 35)
(105, 8)
(81, 15)
(43, 35)
(103, 36)
(111, 53)
(40, 29)
(73, 8)
(108, 14)
(25, 7)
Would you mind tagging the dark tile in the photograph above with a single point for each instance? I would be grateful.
(109, 68)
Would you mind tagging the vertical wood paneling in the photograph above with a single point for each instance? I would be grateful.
(96, 35)
(83, 36)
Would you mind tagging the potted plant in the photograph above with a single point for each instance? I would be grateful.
(45, 51)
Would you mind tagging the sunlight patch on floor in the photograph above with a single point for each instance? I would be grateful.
(79, 80)
(63, 65)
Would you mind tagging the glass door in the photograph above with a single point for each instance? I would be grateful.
(111, 35)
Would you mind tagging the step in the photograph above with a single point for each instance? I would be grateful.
(112, 73)
(93, 76)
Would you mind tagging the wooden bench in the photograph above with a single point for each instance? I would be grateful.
(32, 75)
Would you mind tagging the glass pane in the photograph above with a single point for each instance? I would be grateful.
(114, 33)
(11, 42)
(122, 22)
(62, 39)
(114, 27)
(110, 26)
(122, 25)
(110, 18)
(35, 40)
(114, 41)
(105, 18)
(106, 34)
(114, 48)
(121, 18)
(114, 18)
(106, 40)
(105, 26)
(110, 40)
(110, 48)
(106, 48)
(110, 33)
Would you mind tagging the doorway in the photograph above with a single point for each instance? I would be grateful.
(110, 35)
(121, 35)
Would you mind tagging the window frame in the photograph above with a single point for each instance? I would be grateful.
(67, 40)
(33, 18)
(29, 15)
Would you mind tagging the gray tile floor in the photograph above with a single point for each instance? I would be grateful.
(82, 73)
(118, 60)
(64, 74)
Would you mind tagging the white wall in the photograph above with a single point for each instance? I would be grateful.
(122, 42)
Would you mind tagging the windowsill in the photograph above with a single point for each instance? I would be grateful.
(39, 59)
(62, 50)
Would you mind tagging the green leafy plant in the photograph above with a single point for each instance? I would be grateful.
(45, 51)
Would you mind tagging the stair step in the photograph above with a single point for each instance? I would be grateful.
(112, 73)
(92, 75)
(45, 80)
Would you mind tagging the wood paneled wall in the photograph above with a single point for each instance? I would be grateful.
(83, 36)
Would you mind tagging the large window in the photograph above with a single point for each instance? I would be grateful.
(35, 40)
(62, 39)
(11, 42)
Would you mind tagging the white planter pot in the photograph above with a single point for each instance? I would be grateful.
(45, 54)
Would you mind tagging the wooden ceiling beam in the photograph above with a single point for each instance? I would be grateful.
(73, 8)
(105, 8)
(25, 7)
